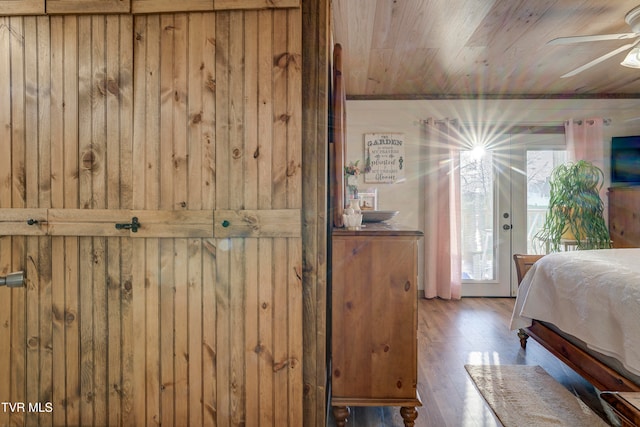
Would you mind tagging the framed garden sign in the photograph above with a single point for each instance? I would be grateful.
(384, 157)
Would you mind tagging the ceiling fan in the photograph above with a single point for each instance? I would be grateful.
(632, 60)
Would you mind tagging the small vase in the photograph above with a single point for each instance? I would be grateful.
(353, 215)
(355, 205)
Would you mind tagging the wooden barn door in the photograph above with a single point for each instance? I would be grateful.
(66, 106)
(220, 94)
(192, 314)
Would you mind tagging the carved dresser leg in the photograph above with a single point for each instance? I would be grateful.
(341, 413)
(409, 415)
(523, 338)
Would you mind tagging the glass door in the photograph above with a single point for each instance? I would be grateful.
(485, 218)
(503, 204)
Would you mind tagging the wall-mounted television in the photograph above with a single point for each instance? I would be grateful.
(625, 160)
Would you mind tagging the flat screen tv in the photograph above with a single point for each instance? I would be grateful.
(625, 160)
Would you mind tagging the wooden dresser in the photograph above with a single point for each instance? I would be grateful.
(624, 216)
(374, 320)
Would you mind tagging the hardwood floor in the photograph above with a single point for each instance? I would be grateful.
(468, 331)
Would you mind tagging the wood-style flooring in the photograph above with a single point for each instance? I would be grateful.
(468, 331)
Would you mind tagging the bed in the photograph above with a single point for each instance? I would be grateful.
(584, 307)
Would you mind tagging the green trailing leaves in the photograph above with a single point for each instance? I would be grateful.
(575, 208)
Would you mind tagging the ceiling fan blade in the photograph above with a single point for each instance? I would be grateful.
(594, 38)
(599, 60)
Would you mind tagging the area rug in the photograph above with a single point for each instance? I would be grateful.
(525, 395)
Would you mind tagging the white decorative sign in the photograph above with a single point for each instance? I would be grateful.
(384, 157)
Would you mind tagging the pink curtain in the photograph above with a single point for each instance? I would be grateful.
(442, 259)
(585, 141)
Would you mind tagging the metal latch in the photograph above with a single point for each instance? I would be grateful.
(13, 280)
(133, 226)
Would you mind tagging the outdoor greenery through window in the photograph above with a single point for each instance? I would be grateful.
(540, 164)
(477, 219)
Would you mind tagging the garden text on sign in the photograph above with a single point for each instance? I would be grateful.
(384, 153)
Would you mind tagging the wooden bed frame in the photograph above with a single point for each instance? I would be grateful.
(600, 375)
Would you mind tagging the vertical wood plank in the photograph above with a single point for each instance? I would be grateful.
(72, 329)
(264, 124)
(222, 155)
(281, 313)
(32, 368)
(251, 280)
(265, 332)
(112, 257)
(281, 59)
(71, 200)
(124, 96)
(138, 302)
(57, 200)
(294, 108)
(237, 124)
(152, 197)
(294, 275)
(265, 109)
(128, 342)
(314, 229)
(209, 138)
(85, 183)
(86, 330)
(19, 199)
(180, 197)
(44, 201)
(236, 386)
(295, 328)
(194, 279)
(5, 201)
(119, 194)
(279, 201)
(153, 345)
(166, 281)
(98, 168)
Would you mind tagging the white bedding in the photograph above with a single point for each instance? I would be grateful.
(593, 295)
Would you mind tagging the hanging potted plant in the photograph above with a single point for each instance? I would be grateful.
(575, 210)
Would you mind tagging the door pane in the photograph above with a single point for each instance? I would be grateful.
(477, 215)
(540, 163)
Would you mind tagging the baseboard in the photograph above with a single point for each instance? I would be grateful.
(421, 293)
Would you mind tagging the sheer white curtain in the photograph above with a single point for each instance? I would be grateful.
(441, 178)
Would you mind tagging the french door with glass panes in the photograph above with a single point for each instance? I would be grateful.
(504, 193)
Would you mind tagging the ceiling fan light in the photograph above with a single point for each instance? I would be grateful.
(632, 60)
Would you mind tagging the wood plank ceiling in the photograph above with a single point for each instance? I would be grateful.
(407, 49)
